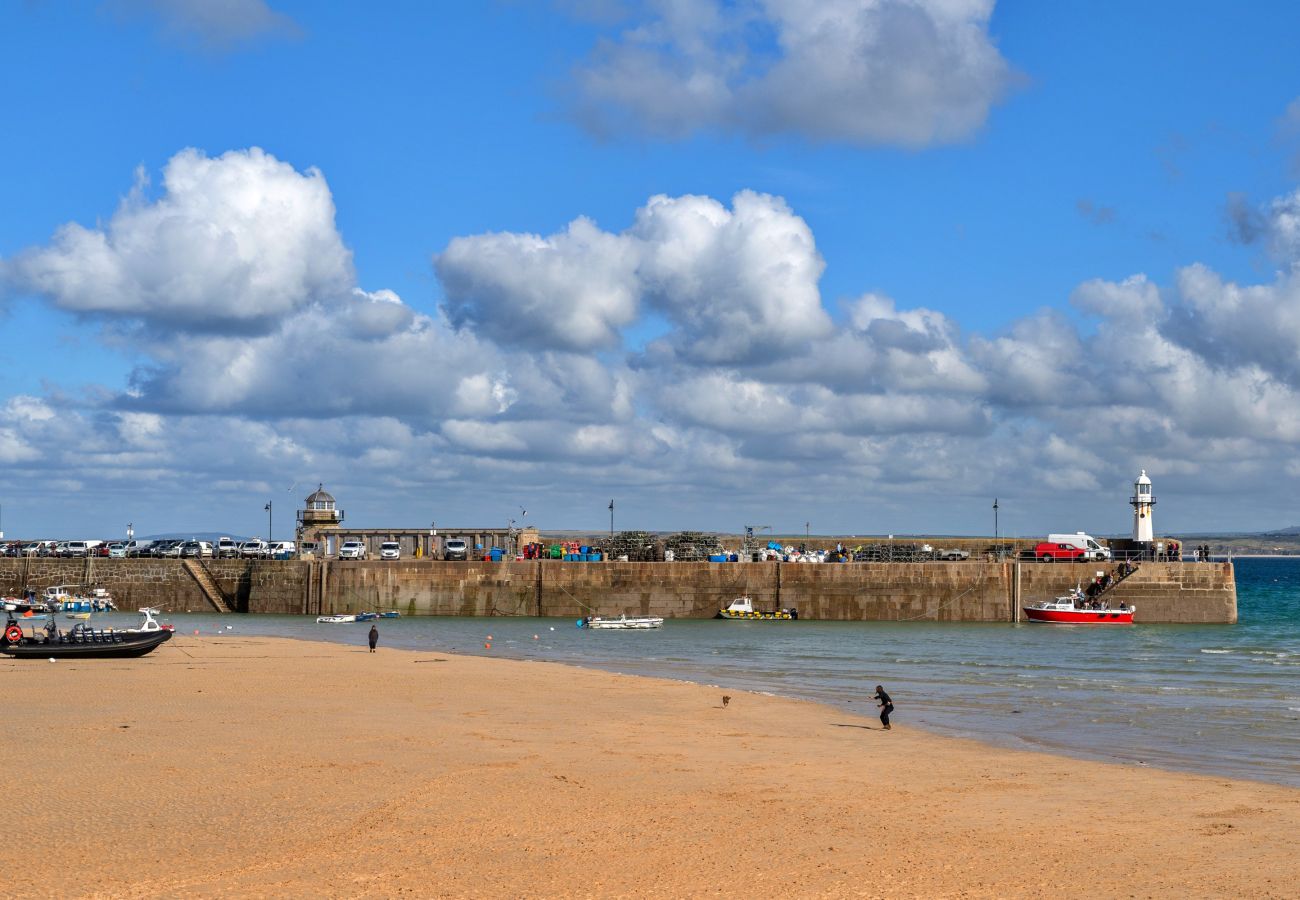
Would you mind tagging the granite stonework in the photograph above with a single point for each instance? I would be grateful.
(932, 591)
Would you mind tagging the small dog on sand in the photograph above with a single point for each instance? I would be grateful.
(725, 700)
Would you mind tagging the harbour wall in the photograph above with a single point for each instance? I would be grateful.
(931, 591)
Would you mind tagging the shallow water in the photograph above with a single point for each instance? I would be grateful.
(1220, 699)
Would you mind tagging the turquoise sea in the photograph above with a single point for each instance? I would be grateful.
(1220, 699)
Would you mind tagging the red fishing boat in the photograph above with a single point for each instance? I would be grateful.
(1076, 609)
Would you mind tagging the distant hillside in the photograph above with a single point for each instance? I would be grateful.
(1283, 532)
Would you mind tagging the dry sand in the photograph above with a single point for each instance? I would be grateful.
(267, 767)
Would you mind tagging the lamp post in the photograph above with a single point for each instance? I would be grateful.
(268, 521)
(611, 520)
(997, 548)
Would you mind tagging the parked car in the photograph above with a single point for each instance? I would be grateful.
(139, 548)
(195, 550)
(168, 549)
(254, 548)
(952, 554)
(282, 550)
(455, 548)
(352, 550)
(226, 548)
(116, 550)
(390, 550)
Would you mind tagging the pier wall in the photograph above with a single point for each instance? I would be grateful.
(937, 591)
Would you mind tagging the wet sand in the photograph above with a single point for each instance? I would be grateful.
(270, 767)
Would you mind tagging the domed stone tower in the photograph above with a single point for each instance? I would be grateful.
(319, 516)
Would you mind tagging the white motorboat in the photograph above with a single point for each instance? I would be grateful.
(623, 622)
(149, 623)
(335, 620)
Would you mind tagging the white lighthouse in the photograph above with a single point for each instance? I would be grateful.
(1142, 501)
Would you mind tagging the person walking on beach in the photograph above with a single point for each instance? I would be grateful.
(374, 637)
(886, 706)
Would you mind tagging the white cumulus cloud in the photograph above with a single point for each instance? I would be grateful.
(734, 283)
(232, 244)
(901, 72)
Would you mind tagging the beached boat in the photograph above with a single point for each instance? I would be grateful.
(743, 608)
(622, 623)
(1075, 609)
(391, 614)
(335, 620)
(82, 642)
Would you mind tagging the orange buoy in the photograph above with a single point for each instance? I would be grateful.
(487, 646)
(13, 634)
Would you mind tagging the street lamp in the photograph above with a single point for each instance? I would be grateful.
(611, 520)
(268, 521)
(996, 546)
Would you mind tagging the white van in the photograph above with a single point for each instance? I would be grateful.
(282, 550)
(1085, 542)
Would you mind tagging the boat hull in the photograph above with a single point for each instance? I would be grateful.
(756, 616)
(117, 646)
(1079, 616)
(640, 623)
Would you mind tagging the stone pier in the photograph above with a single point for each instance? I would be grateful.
(930, 591)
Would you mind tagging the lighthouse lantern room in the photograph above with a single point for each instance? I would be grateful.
(1142, 500)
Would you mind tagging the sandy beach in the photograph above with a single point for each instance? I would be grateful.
(271, 767)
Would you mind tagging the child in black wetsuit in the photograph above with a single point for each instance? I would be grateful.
(886, 706)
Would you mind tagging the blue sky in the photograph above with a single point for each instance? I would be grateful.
(907, 256)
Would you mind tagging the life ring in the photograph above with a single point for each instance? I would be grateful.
(13, 634)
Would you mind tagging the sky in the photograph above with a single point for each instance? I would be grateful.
(855, 266)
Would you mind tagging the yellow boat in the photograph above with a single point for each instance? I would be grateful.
(743, 608)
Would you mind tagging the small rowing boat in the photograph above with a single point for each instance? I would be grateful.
(335, 620)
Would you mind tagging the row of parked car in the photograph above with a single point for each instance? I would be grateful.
(224, 548)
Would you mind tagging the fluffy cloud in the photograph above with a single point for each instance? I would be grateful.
(906, 72)
(573, 290)
(753, 395)
(736, 283)
(232, 244)
(216, 25)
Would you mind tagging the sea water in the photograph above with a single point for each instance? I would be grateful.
(1218, 699)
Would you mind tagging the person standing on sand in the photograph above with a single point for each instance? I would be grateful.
(374, 637)
(886, 706)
